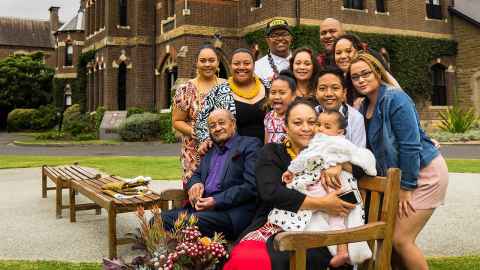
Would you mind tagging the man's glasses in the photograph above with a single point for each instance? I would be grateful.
(279, 35)
(363, 75)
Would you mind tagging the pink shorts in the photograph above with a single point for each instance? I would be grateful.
(431, 186)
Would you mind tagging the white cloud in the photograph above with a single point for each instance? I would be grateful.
(38, 9)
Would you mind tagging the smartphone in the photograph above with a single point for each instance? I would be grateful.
(349, 197)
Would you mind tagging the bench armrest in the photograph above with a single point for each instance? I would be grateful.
(290, 241)
(173, 195)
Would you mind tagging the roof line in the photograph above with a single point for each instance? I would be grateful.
(463, 16)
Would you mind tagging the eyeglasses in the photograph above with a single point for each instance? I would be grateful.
(279, 35)
(363, 75)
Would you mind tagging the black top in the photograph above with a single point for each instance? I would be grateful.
(272, 162)
(250, 119)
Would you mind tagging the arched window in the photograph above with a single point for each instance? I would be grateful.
(122, 87)
(169, 81)
(434, 9)
(380, 5)
(439, 82)
(68, 55)
(122, 12)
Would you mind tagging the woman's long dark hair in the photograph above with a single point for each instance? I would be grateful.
(312, 82)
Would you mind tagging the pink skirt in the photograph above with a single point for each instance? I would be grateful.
(432, 185)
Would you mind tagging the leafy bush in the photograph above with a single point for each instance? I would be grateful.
(140, 127)
(20, 119)
(134, 110)
(74, 122)
(444, 136)
(166, 131)
(51, 135)
(99, 113)
(45, 117)
(457, 120)
(85, 137)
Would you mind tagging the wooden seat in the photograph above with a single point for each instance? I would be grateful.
(92, 189)
(60, 176)
(380, 195)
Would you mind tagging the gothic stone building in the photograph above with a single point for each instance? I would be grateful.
(144, 46)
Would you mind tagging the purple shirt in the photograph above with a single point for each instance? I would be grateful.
(217, 164)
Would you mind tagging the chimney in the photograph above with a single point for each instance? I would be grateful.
(54, 21)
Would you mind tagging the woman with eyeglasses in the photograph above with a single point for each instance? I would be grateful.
(396, 139)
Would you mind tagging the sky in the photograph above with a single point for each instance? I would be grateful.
(38, 9)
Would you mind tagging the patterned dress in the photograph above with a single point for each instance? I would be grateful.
(275, 128)
(189, 100)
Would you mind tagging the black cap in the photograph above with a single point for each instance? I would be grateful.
(277, 24)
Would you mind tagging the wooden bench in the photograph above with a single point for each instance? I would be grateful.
(381, 197)
(92, 189)
(60, 176)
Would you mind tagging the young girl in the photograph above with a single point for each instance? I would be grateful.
(282, 93)
(328, 148)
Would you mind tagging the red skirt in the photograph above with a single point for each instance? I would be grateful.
(249, 254)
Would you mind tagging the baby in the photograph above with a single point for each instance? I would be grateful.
(328, 148)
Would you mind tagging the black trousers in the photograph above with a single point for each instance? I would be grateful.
(209, 222)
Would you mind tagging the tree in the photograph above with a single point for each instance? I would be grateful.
(25, 82)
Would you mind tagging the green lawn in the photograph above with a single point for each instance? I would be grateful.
(445, 263)
(159, 168)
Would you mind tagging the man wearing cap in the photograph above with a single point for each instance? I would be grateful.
(279, 38)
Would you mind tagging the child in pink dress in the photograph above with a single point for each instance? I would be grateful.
(282, 93)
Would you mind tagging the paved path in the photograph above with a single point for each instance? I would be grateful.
(30, 231)
(158, 149)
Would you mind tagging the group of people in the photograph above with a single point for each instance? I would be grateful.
(279, 145)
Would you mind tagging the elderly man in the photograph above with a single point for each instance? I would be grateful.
(330, 30)
(222, 191)
(279, 38)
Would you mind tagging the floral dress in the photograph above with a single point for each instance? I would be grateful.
(188, 99)
(275, 128)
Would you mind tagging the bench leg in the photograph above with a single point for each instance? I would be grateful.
(112, 233)
(58, 200)
(73, 213)
(44, 184)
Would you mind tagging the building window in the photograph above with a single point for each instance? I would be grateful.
(434, 9)
(122, 87)
(257, 3)
(68, 55)
(170, 77)
(381, 7)
(439, 95)
(122, 8)
(353, 4)
(171, 8)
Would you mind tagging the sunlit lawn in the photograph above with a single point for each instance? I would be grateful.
(159, 168)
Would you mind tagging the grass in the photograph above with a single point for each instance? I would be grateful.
(442, 263)
(159, 168)
(464, 165)
(60, 142)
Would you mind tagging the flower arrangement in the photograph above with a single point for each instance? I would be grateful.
(182, 249)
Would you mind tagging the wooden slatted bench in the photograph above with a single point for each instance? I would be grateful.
(92, 189)
(60, 176)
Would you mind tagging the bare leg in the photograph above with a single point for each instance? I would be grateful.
(406, 231)
(342, 256)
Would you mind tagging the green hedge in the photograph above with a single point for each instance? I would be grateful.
(410, 57)
(43, 118)
(140, 127)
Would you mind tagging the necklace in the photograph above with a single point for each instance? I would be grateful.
(246, 94)
(204, 88)
(273, 66)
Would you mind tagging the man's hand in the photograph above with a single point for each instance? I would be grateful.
(287, 177)
(205, 203)
(195, 193)
(330, 178)
(204, 146)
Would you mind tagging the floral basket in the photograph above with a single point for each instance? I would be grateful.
(182, 249)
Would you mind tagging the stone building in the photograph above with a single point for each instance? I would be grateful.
(25, 36)
(144, 46)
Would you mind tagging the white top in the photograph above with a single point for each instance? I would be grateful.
(265, 71)
(356, 126)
